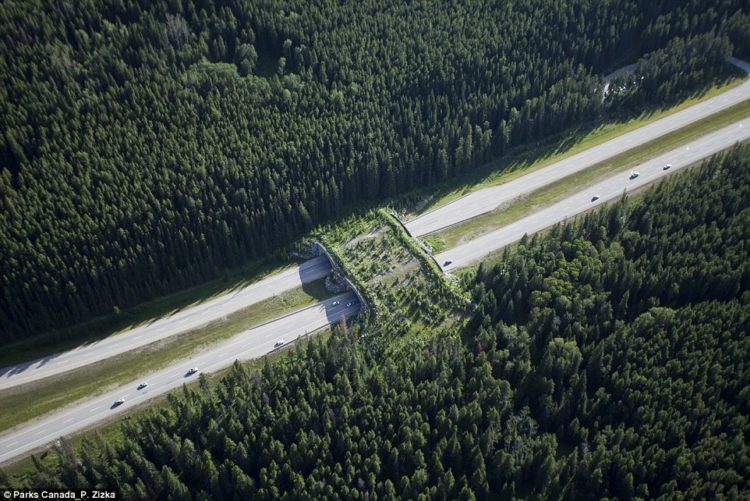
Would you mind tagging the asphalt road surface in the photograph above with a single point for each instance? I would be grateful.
(250, 344)
(182, 321)
(489, 199)
(610, 188)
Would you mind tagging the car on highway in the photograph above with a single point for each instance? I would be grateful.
(667, 167)
(192, 371)
(595, 198)
(447, 262)
(119, 401)
(335, 303)
(634, 174)
(278, 343)
(142, 385)
(349, 304)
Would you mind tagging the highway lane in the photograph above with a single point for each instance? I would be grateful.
(489, 199)
(250, 344)
(182, 321)
(608, 189)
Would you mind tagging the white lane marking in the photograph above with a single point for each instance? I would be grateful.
(69, 420)
(93, 410)
(12, 443)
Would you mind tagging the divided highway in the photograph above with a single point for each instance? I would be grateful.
(489, 199)
(182, 321)
(261, 340)
(611, 188)
(250, 344)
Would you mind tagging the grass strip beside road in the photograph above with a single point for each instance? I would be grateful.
(468, 273)
(111, 432)
(525, 159)
(23, 403)
(100, 327)
(522, 206)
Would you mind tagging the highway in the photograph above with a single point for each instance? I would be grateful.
(608, 189)
(182, 321)
(252, 343)
(489, 199)
(260, 340)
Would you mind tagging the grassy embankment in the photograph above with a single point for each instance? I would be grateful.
(100, 327)
(558, 190)
(467, 275)
(528, 158)
(28, 401)
(111, 431)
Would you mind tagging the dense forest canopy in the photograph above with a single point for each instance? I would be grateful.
(146, 145)
(607, 359)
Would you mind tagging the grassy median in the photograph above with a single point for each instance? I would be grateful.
(22, 403)
(523, 160)
(106, 325)
(543, 197)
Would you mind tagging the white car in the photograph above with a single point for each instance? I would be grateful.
(595, 198)
(192, 371)
(119, 401)
(335, 303)
(278, 343)
(667, 167)
(634, 174)
(142, 385)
